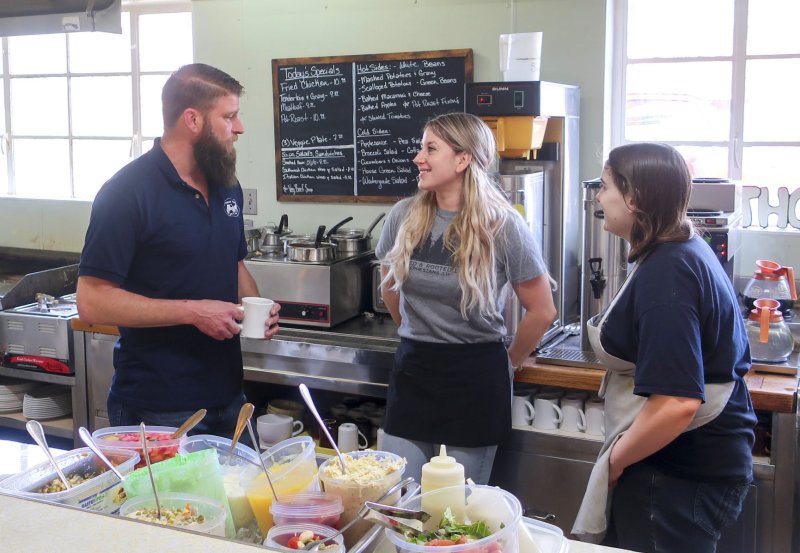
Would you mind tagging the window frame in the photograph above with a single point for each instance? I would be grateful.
(135, 9)
(738, 58)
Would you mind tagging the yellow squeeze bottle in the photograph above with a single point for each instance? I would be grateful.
(443, 471)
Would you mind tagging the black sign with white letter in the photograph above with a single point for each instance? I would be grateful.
(348, 128)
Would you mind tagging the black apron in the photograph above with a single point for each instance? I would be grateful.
(456, 394)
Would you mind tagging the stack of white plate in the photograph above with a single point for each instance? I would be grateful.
(47, 401)
(12, 392)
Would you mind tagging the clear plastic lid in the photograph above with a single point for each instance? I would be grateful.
(308, 505)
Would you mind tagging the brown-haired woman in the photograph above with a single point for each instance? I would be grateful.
(679, 422)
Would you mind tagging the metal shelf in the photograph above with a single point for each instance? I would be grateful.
(60, 428)
(50, 378)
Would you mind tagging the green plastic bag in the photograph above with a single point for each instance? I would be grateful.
(195, 473)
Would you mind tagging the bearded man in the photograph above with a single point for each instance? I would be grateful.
(163, 260)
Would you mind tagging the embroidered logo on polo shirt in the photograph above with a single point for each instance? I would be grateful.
(231, 208)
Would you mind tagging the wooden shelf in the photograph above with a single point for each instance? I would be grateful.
(60, 428)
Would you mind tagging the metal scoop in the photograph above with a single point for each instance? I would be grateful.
(310, 402)
(37, 433)
(143, 436)
(245, 412)
(315, 545)
(89, 441)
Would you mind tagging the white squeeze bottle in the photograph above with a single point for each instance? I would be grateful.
(443, 471)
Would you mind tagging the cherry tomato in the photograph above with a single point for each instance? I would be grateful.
(293, 542)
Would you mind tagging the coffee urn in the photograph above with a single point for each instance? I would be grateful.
(604, 259)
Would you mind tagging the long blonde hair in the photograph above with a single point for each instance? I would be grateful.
(470, 235)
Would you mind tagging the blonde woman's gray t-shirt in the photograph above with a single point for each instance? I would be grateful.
(430, 298)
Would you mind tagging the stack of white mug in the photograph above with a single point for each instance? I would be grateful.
(554, 410)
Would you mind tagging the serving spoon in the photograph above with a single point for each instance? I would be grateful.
(37, 433)
(90, 443)
(190, 423)
(245, 412)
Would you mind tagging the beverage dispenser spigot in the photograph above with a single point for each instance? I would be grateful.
(597, 280)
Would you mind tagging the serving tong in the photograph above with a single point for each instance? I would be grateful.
(362, 513)
(146, 453)
(397, 518)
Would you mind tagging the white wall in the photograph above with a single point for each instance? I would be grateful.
(242, 36)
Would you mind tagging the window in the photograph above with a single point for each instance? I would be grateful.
(76, 107)
(717, 79)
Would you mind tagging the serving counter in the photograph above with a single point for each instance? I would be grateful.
(547, 470)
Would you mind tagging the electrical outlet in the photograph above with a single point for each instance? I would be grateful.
(250, 201)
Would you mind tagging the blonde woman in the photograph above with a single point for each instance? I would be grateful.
(447, 255)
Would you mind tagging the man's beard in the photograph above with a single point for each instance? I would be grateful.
(217, 163)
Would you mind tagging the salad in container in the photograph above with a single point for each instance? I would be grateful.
(160, 444)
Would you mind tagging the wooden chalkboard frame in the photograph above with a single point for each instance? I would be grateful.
(465, 53)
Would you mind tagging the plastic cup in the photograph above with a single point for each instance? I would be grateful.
(292, 466)
(369, 475)
(309, 507)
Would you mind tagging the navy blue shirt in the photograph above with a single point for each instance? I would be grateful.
(679, 323)
(154, 235)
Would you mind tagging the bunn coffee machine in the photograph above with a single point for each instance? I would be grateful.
(536, 125)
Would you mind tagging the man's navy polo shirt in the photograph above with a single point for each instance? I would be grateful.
(154, 235)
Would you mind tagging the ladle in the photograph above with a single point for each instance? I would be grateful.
(245, 412)
(310, 402)
(263, 464)
(37, 433)
(315, 545)
(190, 423)
(143, 436)
(337, 226)
(89, 441)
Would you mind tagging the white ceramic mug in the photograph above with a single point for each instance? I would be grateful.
(351, 438)
(595, 417)
(256, 312)
(547, 413)
(273, 428)
(574, 419)
(522, 411)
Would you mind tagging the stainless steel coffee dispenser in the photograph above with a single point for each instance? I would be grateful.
(604, 260)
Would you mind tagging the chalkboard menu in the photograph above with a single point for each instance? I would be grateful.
(348, 127)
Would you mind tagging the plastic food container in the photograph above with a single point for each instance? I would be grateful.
(278, 536)
(103, 493)
(369, 475)
(498, 508)
(212, 511)
(292, 466)
(320, 508)
(159, 444)
(231, 469)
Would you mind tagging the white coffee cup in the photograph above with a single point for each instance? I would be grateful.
(595, 417)
(273, 428)
(256, 312)
(574, 419)
(522, 411)
(547, 413)
(351, 438)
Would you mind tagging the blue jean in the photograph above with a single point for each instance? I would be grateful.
(477, 461)
(652, 511)
(219, 421)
